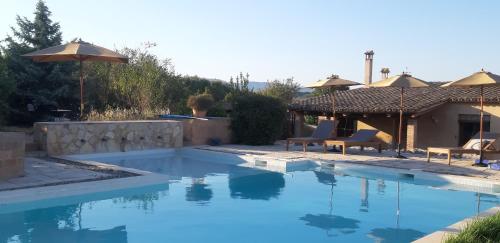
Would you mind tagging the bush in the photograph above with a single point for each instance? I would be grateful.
(257, 119)
(484, 230)
(117, 114)
(217, 110)
(201, 102)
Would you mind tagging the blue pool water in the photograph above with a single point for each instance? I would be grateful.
(209, 201)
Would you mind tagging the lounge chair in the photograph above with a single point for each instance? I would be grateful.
(324, 131)
(362, 138)
(471, 147)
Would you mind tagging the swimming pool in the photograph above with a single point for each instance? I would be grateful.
(212, 199)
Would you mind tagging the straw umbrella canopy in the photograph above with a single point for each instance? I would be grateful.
(402, 81)
(332, 82)
(481, 79)
(77, 51)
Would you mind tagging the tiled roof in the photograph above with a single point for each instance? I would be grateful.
(386, 100)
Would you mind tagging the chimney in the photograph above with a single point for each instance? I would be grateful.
(368, 67)
(385, 73)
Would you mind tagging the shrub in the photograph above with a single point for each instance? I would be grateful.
(201, 102)
(484, 230)
(117, 114)
(217, 110)
(257, 119)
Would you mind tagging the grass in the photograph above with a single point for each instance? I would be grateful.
(485, 230)
(126, 114)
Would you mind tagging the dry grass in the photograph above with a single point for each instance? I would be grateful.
(126, 114)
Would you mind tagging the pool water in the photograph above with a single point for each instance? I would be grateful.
(210, 201)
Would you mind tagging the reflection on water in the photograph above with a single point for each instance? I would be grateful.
(325, 178)
(394, 235)
(56, 224)
(144, 201)
(364, 195)
(199, 192)
(380, 186)
(329, 222)
(259, 186)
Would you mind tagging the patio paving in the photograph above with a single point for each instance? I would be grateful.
(40, 172)
(415, 161)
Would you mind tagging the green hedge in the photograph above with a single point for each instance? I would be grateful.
(257, 119)
(486, 230)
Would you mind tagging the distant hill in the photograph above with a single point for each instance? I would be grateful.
(256, 86)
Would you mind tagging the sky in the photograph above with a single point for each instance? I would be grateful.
(272, 39)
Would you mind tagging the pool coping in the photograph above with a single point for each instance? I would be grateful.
(440, 235)
(140, 179)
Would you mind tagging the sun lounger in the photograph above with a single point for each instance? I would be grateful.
(471, 147)
(324, 131)
(362, 138)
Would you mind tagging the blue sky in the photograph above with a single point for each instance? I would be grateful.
(307, 40)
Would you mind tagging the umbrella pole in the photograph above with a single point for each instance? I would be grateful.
(334, 118)
(332, 95)
(400, 132)
(481, 100)
(81, 89)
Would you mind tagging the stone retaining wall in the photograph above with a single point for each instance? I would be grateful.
(11, 154)
(58, 138)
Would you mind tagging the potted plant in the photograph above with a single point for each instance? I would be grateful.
(200, 104)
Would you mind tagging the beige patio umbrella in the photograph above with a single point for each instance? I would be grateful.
(402, 81)
(481, 79)
(334, 81)
(77, 51)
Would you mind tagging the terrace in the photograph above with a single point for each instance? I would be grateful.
(119, 158)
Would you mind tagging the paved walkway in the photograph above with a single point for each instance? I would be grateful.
(39, 172)
(438, 164)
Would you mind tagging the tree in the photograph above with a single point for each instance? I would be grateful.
(257, 119)
(42, 86)
(284, 90)
(6, 89)
(238, 87)
(145, 83)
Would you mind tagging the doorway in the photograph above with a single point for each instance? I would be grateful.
(468, 126)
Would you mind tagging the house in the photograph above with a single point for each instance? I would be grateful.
(433, 116)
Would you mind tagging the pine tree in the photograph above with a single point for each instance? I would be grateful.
(43, 86)
(6, 89)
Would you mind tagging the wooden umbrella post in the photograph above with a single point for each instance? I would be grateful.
(332, 96)
(481, 100)
(400, 125)
(81, 89)
(334, 118)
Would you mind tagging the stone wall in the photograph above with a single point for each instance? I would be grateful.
(58, 138)
(199, 132)
(11, 154)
